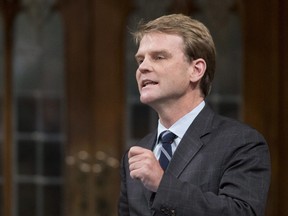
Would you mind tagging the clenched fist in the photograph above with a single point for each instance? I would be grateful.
(144, 166)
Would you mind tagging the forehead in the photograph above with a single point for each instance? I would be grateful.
(156, 41)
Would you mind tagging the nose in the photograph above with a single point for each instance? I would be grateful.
(145, 66)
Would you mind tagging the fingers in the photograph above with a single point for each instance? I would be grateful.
(144, 166)
(138, 160)
(136, 157)
(136, 150)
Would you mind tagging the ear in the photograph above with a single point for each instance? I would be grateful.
(198, 67)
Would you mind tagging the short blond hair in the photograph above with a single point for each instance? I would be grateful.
(198, 42)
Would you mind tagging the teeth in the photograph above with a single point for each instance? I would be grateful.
(148, 82)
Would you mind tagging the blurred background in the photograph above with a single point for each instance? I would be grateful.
(69, 105)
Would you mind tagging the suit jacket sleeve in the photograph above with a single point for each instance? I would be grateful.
(123, 207)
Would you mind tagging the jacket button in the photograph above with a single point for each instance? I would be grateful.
(164, 211)
(173, 213)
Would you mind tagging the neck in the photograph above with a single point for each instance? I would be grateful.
(169, 114)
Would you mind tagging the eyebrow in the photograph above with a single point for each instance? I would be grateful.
(153, 53)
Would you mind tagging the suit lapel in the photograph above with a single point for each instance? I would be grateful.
(149, 141)
(191, 143)
(187, 149)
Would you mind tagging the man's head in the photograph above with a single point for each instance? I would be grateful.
(198, 42)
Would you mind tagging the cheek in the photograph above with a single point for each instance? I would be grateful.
(179, 77)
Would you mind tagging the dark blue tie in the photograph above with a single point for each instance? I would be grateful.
(166, 138)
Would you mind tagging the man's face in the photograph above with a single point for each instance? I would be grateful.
(163, 75)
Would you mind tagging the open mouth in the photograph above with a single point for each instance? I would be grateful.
(148, 82)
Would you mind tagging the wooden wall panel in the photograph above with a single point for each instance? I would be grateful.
(9, 10)
(265, 91)
(283, 127)
(109, 25)
(77, 22)
(95, 94)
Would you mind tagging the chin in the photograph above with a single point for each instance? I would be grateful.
(146, 100)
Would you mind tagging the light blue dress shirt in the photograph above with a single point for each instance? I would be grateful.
(179, 128)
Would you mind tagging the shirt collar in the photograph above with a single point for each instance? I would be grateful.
(180, 127)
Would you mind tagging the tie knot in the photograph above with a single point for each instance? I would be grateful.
(167, 137)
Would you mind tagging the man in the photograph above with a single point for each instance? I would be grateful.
(212, 165)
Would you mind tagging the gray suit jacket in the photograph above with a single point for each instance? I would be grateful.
(221, 167)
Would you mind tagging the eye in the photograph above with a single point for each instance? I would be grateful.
(159, 57)
(139, 61)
